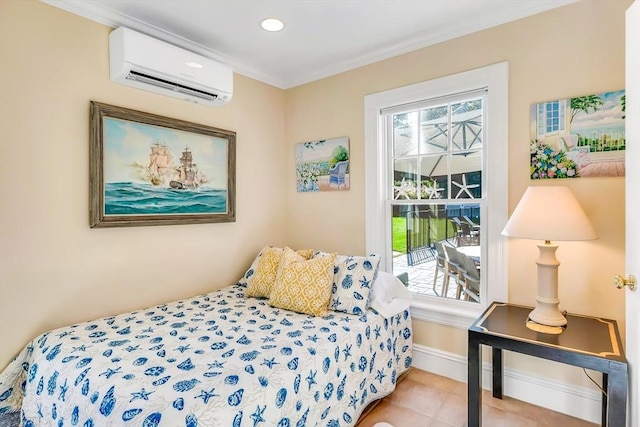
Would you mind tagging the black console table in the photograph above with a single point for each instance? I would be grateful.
(588, 342)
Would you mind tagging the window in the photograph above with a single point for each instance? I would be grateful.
(551, 118)
(436, 175)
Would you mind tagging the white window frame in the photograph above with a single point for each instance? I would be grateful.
(542, 115)
(495, 78)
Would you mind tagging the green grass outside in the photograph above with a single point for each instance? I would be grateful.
(399, 231)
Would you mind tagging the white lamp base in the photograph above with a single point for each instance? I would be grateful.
(546, 314)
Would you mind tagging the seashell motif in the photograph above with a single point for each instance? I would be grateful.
(117, 343)
(32, 372)
(85, 387)
(187, 365)
(373, 388)
(178, 404)
(218, 345)
(161, 380)
(358, 296)
(328, 391)
(94, 397)
(231, 380)
(347, 282)
(285, 422)
(84, 362)
(235, 398)
(281, 396)
(108, 402)
(249, 369)
(333, 338)
(347, 418)
(211, 374)
(362, 365)
(367, 265)
(186, 385)
(4, 396)
(152, 420)
(340, 389)
(228, 353)
(75, 414)
(125, 331)
(293, 364)
(140, 361)
(161, 353)
(296, 384)
(244, 340)
(154, 371)
(237, 420)
(80, 377)
(51, 385)
(97, 334)
(128, 376)
(53, 352)
(263, 381)
(191, 421)
(69, 359)
(130, 414)
(251, 355)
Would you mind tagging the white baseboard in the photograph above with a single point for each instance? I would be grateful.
(561, 397)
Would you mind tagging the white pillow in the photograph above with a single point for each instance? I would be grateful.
(388, 295)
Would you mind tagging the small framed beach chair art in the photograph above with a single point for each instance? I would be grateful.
(322, 165)
(146, 169)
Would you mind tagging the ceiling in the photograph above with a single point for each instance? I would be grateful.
(320, 38)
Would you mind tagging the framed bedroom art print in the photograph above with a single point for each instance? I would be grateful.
(323, 165)
(145, 169)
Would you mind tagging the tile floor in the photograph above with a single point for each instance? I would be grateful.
(423, 399)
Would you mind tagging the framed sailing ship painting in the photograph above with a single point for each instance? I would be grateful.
(147, 169)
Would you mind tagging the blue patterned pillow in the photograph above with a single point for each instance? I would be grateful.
(244, 280)
(352, 280)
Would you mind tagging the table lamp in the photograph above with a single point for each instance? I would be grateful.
(548, 213)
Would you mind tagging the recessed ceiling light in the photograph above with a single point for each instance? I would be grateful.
(193, 64)
(272, 24)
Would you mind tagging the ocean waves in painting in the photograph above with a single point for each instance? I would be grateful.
(126, 198)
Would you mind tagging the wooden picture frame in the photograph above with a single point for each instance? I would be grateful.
(146, 169)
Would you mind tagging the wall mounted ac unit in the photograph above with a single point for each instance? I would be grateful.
(143, 62)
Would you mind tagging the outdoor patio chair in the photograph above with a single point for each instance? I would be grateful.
(471, 278)
(441, 266)
(455, 269)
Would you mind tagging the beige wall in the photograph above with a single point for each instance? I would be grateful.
(54, 270)
(571, 51)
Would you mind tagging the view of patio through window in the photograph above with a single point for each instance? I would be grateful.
(437, 186)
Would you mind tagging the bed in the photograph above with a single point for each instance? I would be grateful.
(220, 359)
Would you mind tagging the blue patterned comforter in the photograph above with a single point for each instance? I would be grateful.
(213, 360)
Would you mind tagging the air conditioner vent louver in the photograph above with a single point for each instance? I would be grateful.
(143, 62)
(144, 78)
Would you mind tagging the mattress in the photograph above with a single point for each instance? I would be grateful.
(218, 359)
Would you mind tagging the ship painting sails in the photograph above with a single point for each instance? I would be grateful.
(162, 171)
(161, 166)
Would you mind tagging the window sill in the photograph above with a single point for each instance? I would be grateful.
(455, 314)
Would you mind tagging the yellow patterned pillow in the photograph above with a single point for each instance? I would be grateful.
(259, 285)
(303, 285)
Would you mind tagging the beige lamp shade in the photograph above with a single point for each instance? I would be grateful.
(549, 213)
